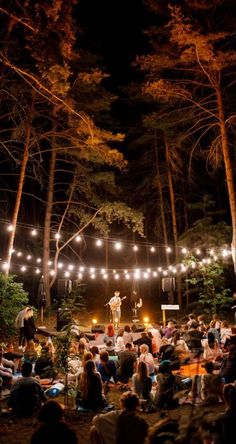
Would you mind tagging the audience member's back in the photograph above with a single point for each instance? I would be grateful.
(52, 429)
(26, 393)
(225, 431)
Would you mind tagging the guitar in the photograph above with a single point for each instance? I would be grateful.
(114, 305)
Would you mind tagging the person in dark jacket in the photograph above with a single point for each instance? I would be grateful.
(225, 425)
(228, 367)
(52, 429)
(126, 362)
(29, 325)
(107, 368)
(44, 365)
(144, 340)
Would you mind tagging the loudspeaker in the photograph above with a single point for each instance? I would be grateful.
(64, 318)
(168, 284)
(138, 327)
(98, 328)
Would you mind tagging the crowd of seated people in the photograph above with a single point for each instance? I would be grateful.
(150, 365)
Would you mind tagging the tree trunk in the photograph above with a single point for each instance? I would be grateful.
(159, 185)
(47, 225)
(24, 162)
(228, 173)
(173, 216)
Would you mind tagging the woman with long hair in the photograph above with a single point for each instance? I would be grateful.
(142, 383)
(90, 388)
(211, 348)
(120, 345)
(127, 336)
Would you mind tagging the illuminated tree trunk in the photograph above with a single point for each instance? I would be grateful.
(173, 216)
(47, 225)
(159, 185)
(24, 162)
(228, 173)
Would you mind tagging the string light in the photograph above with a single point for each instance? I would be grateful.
(184, 250)
(78, 238)
(37, 271)
(168, 249)
(39, 260)
(29, 257)
(198, 252)
(57, 236)
(99, 243)
(10, 228)
(23, 268)
(118, 246)
(34, 232)
(60, 265)
(152, 249)
(4, 266)
(135, 248)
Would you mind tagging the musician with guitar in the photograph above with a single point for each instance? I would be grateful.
(115, 307)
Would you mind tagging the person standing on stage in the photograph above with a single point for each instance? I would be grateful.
(19, 324)
(115, 307)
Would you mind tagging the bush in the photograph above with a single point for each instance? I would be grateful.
(13, 298)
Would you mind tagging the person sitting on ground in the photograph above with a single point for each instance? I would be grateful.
(127, 336)
(164, 396)
(11, 355)
(126, 364)
(191, 320)
(90, 394)
(120, 427)
(147, 358)
(211, 348)
(167, 351)
(225, 332)
(30, 354)
(217, 321)
(225, 424)
(5, 374)
(107, 368)
(7, 363)
(169, 330)
(164, 431)
(193, 339)
(211, 385)
(44, 365)
(52, 429)
(142, 383)
(119, 344)
(181, 349)
(110, 335)
(144, 340)
(26, 394)
(228, 366)
(201, 323)
(81, 350)
(156, 338)
(214, 330)
(95, 352)
(75, 371)
(110, 348)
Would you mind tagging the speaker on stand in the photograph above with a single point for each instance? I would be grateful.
(168, 286)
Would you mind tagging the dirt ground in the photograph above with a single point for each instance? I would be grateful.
(19, 430)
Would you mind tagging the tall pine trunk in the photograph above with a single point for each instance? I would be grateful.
(47, 223)
(24, 161)
(173, 216)
(228, 172)
(159, 185)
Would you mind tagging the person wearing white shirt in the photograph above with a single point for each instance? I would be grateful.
(147, 357)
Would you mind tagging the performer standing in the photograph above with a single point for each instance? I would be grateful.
(19, 324)
(115, 307)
